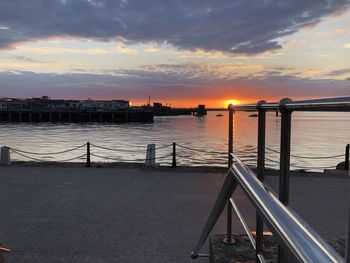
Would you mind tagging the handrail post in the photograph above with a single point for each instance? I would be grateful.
(230, 135)
(173, 165)
(88, 163)
(260, 175)
(286, 122)
(228, 238)
(347, 152)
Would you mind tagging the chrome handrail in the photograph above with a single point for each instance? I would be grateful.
(295, 236)
(327, 104)
(292, 233)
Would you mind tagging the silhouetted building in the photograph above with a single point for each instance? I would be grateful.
(45, 103)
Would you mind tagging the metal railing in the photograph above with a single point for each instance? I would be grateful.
(285, 107)
(296, 238)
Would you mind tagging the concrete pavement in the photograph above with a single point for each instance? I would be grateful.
(66, 214)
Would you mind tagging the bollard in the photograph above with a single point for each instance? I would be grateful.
(173, 165)
(5, 156)
(88, 161)
(347, 150)
(151, 155)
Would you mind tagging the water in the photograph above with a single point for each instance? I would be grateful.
(314, 134)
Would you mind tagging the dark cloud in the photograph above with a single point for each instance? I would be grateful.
(238, 26)
(139, 84)
(339, 72)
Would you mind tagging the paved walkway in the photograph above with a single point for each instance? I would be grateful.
(60, 214)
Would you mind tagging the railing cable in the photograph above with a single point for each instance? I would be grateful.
(42, 160)
(199, 150)
(308, 157)
(49, 153)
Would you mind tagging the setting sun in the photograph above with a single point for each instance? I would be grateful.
(233, 102)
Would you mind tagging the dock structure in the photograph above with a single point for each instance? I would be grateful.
(76, 116)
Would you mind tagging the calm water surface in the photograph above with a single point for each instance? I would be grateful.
(313, 135)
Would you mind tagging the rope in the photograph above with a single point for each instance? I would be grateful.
(142, 160)
(248, 150)
(110, 149)
(246, 156)
(75, 158)
(274, 161)
(272, 150)
(52, 153)
(41, 160)
(162, 147)
(28, 157)
(310, 167)
(315, 158)
(243, 152)
(247, 160)
(198, 160)
(199, 150)
(308, 157)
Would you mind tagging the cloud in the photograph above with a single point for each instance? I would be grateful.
(123, 49)
(151, 49)
(339, 72)
(228, 26)
(347, 45)
(168, 84)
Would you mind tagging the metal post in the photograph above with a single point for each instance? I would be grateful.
(347, 150)
(229, 239)
(174, 156)
(88, 163)
(286, 122)
(261, 175)
(230, 135)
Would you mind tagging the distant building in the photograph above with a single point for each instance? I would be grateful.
(157, 105)
(45, 103)
(201, 110)
(120, 104)
(13, 104)
(2, 105)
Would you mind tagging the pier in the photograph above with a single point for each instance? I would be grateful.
(76, 116)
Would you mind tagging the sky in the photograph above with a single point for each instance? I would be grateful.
(181, 53)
